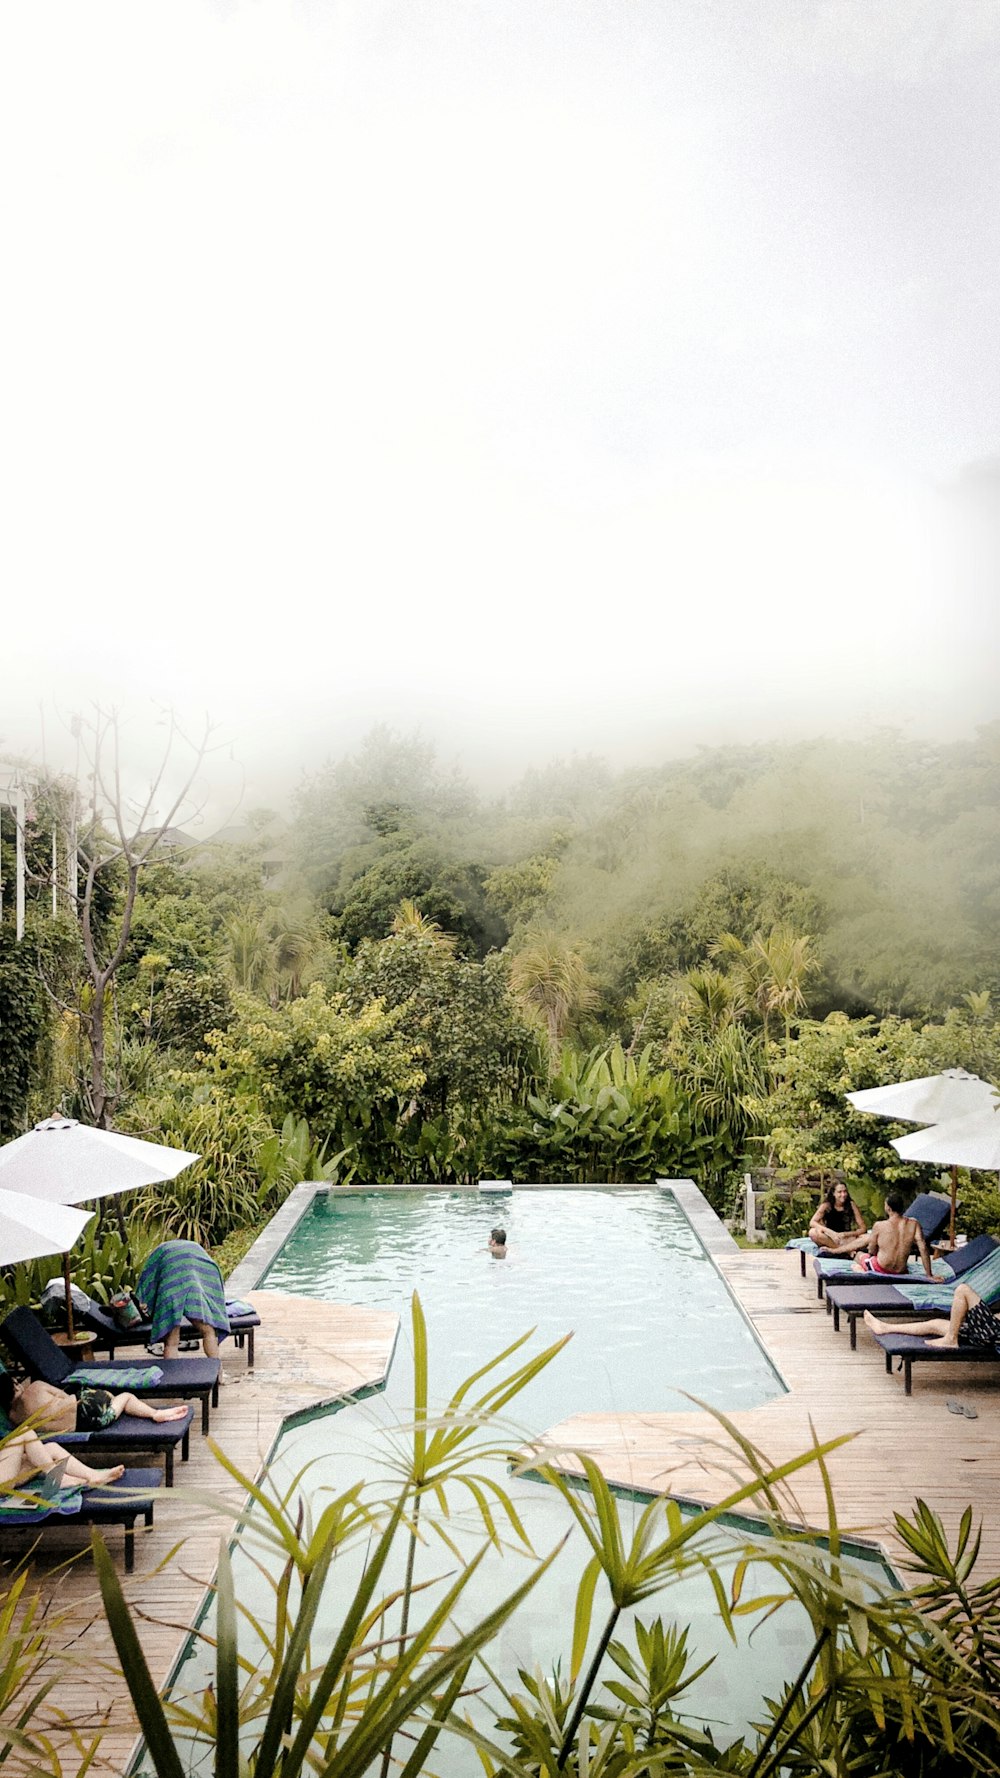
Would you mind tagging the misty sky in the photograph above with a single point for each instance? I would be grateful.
(549, 376)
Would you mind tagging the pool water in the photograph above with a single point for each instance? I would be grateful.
(650, 1318)
(623, 1271)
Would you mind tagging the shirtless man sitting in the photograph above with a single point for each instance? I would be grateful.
(892, 1241)
(55, 1410)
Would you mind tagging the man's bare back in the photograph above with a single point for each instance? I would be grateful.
(893, 1239)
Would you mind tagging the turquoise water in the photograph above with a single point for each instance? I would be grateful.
(650, 1318)
(622, 1271)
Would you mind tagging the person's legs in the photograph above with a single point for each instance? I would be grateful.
(127, 1403)
(823, 1237)
(172, 1343)
(209, 1338)
(935, 1329)
(944, 1332)
(25, 1454)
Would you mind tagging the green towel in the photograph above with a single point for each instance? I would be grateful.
(105, 1376)
(16, 1511)
(178, 1279)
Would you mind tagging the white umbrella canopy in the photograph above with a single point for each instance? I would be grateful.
(932, 1099)
(961, 1142)
(66, 1162)
(63, 1162)
(33, 1229)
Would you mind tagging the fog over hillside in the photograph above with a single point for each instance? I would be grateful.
(545, 378)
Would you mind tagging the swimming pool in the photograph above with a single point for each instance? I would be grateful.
(622, 1270)
(650, 1316)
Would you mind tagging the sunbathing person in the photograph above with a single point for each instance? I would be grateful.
(970, 1323)
(838, 1225)
(22, 1455)
(892, 1241)
(56, 1410)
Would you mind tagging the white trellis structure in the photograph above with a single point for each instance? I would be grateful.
(14, 797)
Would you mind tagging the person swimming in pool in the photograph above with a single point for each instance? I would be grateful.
(497, 1244)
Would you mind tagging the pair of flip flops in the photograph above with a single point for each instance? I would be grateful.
(962, 1407)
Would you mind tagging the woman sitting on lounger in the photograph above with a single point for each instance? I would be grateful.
(55, 1410)
(838, 1226)
(970, 1323)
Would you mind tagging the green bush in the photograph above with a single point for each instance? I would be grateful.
(979, 1209)
(787, 1213)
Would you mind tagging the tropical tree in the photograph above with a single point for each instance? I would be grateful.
(772, 970)
(552, 981)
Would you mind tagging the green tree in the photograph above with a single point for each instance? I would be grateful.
(552, 981)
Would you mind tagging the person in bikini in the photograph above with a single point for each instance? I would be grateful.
(970, 1323)
(838, 1226)
(892, 1241)
(55, 1410)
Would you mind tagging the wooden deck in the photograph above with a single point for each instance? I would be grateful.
(309, 1352)
(904, 1447)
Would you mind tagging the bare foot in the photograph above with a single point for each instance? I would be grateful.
(174, 1413)
(99, 1477)
(876, 1326)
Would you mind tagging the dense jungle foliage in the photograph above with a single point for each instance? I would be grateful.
(596, 976)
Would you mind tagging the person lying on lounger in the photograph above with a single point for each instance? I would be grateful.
(970, 1323)
(22, 1455)
(892, 1241)
(55, 1410)
(838, 1226)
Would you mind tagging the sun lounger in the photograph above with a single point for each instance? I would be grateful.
(911, 1350)
(126, 1440)
(33, 1347)
(243, 1322)
(929, 1210)
(978, 1263)
(115, 1503)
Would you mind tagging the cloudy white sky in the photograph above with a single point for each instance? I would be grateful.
(548, 375)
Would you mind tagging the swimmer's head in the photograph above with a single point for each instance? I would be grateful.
(499, 1237)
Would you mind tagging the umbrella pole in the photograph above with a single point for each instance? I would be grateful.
(69, 1296)
(121, 1223)
(954, 1198)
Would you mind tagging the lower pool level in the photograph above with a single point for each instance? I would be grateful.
(652, 1323)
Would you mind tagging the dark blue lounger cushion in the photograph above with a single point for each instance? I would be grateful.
(931, 1212)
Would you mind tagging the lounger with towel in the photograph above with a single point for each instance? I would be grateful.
(976, 1264)
(96, 1319)
(170, 1378)
(128, 1438)
(42, 1504)
(929, 1210)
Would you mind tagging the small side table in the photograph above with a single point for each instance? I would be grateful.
(79, 1346)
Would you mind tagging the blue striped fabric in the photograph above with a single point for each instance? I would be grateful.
(180, 1279)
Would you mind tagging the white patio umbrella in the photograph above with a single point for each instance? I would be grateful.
(61, 1161)
(33, 1230)
(935, 1099)
(30, 1228)
(961, 1142)
(930, 1100)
